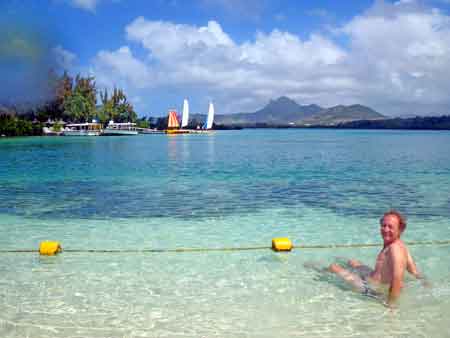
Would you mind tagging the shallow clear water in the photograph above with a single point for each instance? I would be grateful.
(226, 189)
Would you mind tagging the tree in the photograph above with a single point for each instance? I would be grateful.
(71, 100)
(85, 97)
(143, 122)
(63, 90)
(116, 107)
(78, 101)
(77, 108)
(54, 108)
(16, 126)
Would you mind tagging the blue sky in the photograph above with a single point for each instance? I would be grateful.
(393, 56)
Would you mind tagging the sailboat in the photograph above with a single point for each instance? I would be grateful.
(172, 121)
(173, 125)
(210, 119)
(185, 118)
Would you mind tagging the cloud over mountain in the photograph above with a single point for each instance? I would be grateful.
(394, 57)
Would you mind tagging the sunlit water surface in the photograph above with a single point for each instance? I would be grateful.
(226, 189)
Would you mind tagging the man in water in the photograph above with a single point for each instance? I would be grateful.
(391, 263)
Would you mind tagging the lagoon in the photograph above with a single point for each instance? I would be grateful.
(224, 189)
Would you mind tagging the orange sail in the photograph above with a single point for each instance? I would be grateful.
(173, 120)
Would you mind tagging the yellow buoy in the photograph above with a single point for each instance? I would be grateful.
(48, 248)
(281, 244)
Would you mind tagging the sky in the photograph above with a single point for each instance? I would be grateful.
(393, 56)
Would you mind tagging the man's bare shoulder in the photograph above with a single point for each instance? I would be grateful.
(397, 250)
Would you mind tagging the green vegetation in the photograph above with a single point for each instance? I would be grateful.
(14, 126)
(72, 101)
(143, 123)
(116, 107)
(414, 123)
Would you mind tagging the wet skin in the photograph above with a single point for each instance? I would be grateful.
(391, 263)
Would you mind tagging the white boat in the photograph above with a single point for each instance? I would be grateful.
(173, 124)
(83, 129)
(53, 128)
(117, 129)
(210, 120)
(49, 131)
(185, 116)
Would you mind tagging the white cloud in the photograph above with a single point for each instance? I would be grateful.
(207, 56)
(121, 66)
(287, 50)
(393, 44)
(88, 5)
(164, 39)
(398, 56)
(64, 58)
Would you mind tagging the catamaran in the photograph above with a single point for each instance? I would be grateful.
(117, 129)
(173, 125)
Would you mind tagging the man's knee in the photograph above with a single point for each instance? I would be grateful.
(336, 268)
(354, 263)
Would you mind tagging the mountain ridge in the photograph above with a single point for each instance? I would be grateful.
(285, 111)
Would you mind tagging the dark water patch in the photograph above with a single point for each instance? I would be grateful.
(100, 200)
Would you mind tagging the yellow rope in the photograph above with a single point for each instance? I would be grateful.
(318, 246)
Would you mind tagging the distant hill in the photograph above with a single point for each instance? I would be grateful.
(341, 114)
(418, 122)
(286, 112)
(280, 111)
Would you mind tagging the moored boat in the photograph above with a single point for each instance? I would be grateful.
(120, 129)
(173, 124)
(83, 129)
(53, 128)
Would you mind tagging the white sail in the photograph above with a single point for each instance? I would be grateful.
(185, 118)
(210, 120)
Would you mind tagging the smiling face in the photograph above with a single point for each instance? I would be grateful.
(390, 229)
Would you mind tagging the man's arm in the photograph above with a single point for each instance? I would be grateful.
(397, 261)
(412, 269)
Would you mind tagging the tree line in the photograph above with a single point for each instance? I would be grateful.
(72, 100)
(413, 123)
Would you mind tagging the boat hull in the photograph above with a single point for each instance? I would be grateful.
(81, 133)
(150, 131)
(188, 131)
(177, 131)
(117, 132)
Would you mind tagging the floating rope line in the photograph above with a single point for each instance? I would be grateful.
(172, 250)
(250, 248)
(147, 250)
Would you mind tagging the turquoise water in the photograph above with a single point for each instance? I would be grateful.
(230, 188)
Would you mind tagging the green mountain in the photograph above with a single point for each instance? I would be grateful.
(286, 112)
(280, 111)
(341, 114)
